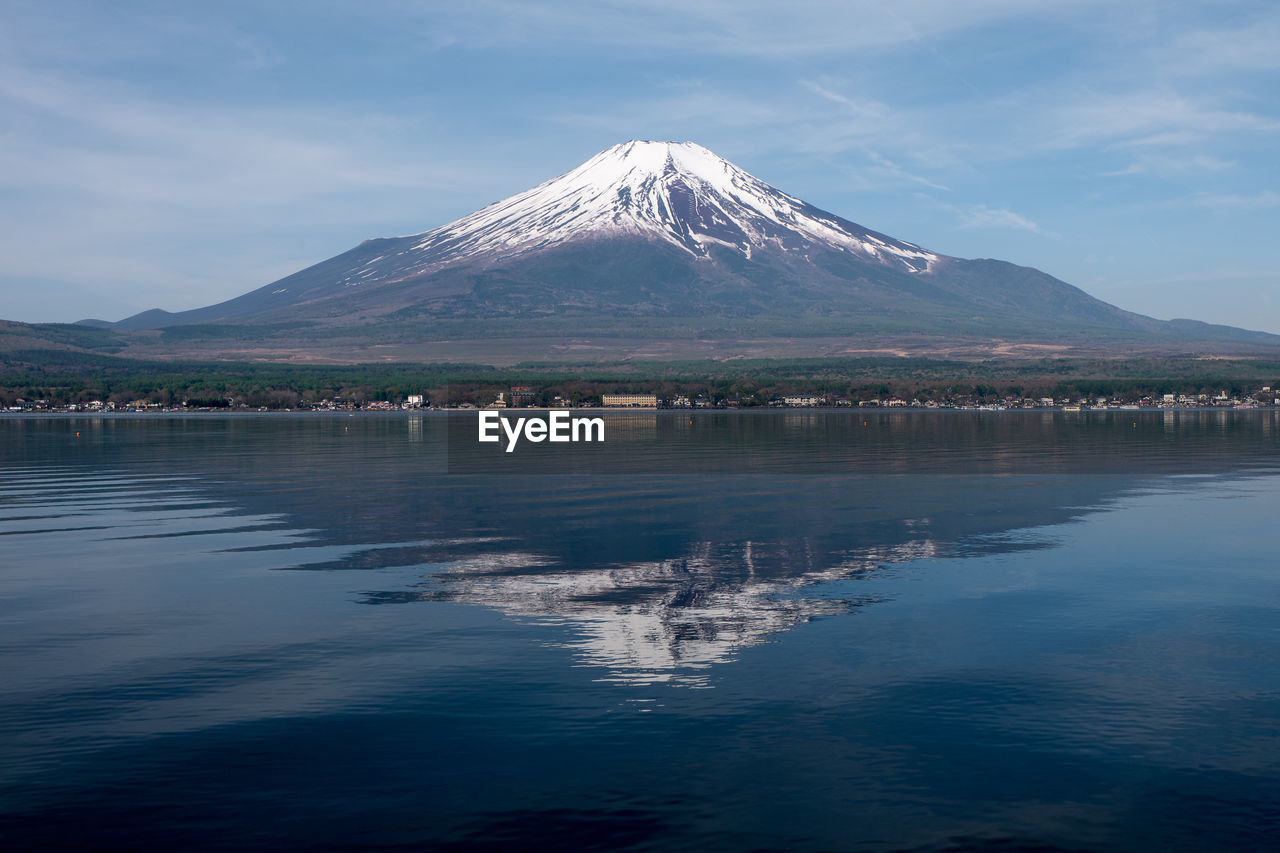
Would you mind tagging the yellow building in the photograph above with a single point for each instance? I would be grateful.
(641, 401)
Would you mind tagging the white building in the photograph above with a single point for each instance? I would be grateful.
(641, 401)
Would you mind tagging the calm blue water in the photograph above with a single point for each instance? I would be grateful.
(813, 631)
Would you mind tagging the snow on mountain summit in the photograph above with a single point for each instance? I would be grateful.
(681, 193)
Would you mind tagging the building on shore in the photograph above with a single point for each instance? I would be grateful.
(633, 401)
(521, 395)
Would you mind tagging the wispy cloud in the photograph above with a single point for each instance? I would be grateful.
(751, 28)
(1165, 164)
(864, 108)
(96, 141)
(850, 126)
(1237, 201)
(674, 110)
(86, 35)
(1250, 47)
(893, 171)
(1150, 118)
(983, 216)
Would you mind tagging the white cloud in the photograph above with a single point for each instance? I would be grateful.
(754, 28)
(894, 172)
(1237, 201)
(1205, 51)
(1149, 118)
(96, 142)
(865, 109)
(982, 216)
(1165, 164)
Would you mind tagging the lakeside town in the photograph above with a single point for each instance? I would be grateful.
(527, 397)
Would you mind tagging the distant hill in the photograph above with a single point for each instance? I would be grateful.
(59, 337)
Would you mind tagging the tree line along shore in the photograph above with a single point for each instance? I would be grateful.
(62, 380)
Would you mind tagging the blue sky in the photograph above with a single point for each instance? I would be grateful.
(176, 154)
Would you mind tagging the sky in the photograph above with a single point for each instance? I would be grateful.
(172, 155)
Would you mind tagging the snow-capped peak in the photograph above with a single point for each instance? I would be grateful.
(678, 192)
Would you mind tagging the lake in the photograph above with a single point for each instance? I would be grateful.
(800, 630)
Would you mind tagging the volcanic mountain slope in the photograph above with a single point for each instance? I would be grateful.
(665, 230)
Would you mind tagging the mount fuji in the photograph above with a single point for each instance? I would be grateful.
(664, 239)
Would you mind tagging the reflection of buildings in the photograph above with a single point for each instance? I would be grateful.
(667, 620)
(621, 426)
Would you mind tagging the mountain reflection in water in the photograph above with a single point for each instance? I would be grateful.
(665, 620)
(684, 538)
